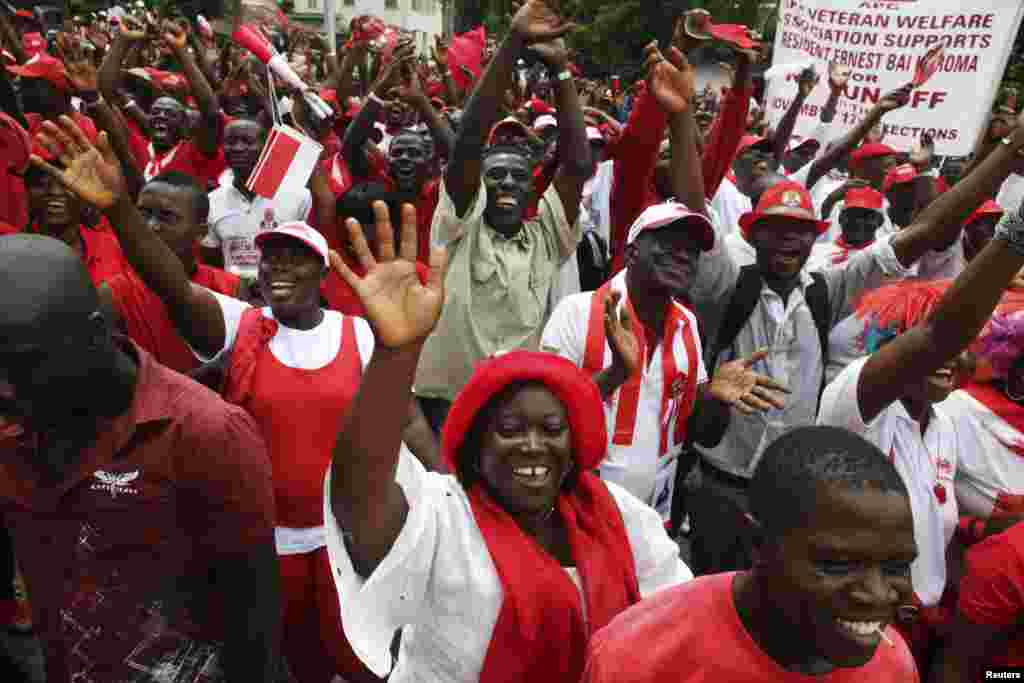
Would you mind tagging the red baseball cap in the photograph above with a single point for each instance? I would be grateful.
(668, 213)
(43, 66)
(870, 151)
(989, 208)
(538, 107)
(788, 199)
(864, 198)
(900, 175)
(748, 141)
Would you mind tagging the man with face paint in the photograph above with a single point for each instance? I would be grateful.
(835, 539)
(783, 230)
(89, 477)
(291, 364)
(237, 214)
(176, 209)
(500, 264)
(169, 150)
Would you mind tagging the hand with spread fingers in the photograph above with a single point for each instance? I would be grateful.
(401, 310)
(81, 71)
(539, 21)
(736, 384)
(174, 34)
(671, 83)
(618, 329)
(93, 173)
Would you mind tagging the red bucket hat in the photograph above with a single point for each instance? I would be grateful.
(573, 387)
(788, 199)
(864, 198)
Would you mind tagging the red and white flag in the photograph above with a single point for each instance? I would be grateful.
(286, 163)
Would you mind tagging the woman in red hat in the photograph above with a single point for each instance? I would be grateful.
(502, 571)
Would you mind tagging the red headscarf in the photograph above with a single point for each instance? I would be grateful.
(541, 633)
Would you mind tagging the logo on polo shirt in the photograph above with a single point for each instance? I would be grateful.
(115, 483)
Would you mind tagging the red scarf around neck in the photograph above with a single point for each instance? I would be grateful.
(541, 634)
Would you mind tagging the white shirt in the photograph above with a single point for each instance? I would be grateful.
(923, 464)
(1011, 194)
(739, 249)
(235, 221)
(990, 464)
(729, 203)
(596, 202)
(306, 350)
(638, 467)
(439, 584)
(788, 332)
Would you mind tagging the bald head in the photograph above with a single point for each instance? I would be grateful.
(44, 289)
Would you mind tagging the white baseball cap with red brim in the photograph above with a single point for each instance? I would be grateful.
(670, 213)
(299, 231)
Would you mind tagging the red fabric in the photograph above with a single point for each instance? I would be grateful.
(903, 305)
(298, 411)
(676, 384)
(138, 142)
(15, 147)
(992, 589)
(541, 613)
(102, 255)
(191, 487)
(636, 153)
(691, 633)
(723, 139)
(467, 50)
(313, 641)
(186, 158)
(870, 150)
(789, 199)
(42, 65)
(147, 322)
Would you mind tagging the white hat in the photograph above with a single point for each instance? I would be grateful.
(300, 231)
(545, 121)
(665, 214)
(594, 133)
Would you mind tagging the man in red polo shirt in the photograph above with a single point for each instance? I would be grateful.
(140, 504)
(835, 543)
(176, 208)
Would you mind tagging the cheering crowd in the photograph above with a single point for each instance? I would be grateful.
(449, 411)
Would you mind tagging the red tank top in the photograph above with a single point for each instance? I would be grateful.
(300, 413)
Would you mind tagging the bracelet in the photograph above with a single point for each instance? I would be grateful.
(1010, 229)
(564, 75)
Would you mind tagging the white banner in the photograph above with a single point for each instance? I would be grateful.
(882, 42)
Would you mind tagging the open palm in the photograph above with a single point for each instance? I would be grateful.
(736, 384)
(94, 174)
(671, 82)
(401, 309)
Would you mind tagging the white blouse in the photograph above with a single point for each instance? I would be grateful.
(439, 584)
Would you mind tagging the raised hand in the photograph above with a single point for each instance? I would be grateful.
(807, 81)
(895, 99)
(554, 54)
(79, 66)
(838, 77)
(391, 74)
(737, 385)
(671, 83)
(539, 21)
(174, 34)
(93, 173)
(401, 310)
(410, 90)
(618, 329)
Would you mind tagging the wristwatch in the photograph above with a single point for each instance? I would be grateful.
(1009, 142)
(1010, 229)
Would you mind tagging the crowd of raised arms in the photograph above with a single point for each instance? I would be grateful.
(538, 378)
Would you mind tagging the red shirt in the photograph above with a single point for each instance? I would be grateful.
(185, 157)
(102, 255)
(992, 589)
(147, 322)
(691, 633)
(179, 480)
